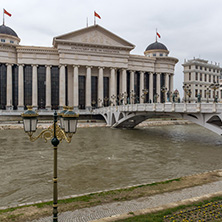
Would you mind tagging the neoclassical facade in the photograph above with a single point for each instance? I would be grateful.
(201, 79)
(91, 67)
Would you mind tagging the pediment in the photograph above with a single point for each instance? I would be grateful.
(94, 35)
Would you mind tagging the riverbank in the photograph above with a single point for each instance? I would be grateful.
(85, 124)
(107, 199)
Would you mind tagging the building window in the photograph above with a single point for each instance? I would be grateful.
(154, 54)
(106, 91)
(200, 67)
(189, 67)
(137, 85)
(27, 85)
(11, 41)
(2, 40)
(196, 92)
(189, 76)
(82, 95)
(200, 76)
(196, 67)
(15, 86)
(55, 87)
(209, 78)
(94, 90)
(161, 54)
(205, 77)
(196, 76)
(41, 86)
(3, 76)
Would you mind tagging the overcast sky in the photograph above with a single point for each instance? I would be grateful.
(189, 28)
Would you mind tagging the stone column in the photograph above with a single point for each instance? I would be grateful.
(100, 87)
(151, 87)
(124, 82)
(112, 84)
(166, 85)
(141, 86)
(21, 87)
(48, 88)
(132, 74)
(62, 86)
(158, 90)
(88, 87)
(34, 87)
(76, 87)
(120, 83)
(171, 83)
(9, 87)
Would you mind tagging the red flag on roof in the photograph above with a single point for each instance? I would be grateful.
(97, 15)
(158, 34)
(7, 13)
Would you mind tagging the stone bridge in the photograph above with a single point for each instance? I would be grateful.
(208, 115)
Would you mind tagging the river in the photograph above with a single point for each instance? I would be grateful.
(103, 158)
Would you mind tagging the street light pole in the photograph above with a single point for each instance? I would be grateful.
(68, 126)
(55, 143)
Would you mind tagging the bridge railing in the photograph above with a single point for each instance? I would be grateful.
(165, 107)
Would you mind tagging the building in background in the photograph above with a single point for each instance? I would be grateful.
(91, 67)
(201, 81)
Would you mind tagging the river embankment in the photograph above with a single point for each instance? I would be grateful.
(93, 123)
(42, 209)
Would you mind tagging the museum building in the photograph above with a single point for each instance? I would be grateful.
(90, 67)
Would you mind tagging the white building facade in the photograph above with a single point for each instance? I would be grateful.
(201, 79)
(91, 67)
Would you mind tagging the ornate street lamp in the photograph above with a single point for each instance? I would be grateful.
(56, 134)
(214, 86)
(164, 90)
(106, 99)
(143, 96)
(93, 104)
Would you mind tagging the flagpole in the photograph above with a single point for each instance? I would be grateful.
(3, 17)
(94, 18)
(156, 34)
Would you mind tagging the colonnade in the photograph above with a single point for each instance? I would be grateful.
(116, 86)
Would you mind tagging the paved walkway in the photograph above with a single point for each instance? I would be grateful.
(143, 204)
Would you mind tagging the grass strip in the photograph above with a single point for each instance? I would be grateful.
(159, 216)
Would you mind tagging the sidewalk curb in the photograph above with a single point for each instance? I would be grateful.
(156, 209)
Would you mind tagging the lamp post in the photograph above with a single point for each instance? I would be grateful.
(56, 133)
(164, 90)
(106, 99)
(145, 92)
(214, 86)
(208, 93)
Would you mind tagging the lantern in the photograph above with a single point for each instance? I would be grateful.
(30, 120)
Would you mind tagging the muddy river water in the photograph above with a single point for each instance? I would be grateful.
(103, 158)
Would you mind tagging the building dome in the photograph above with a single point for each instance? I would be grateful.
(7, 31)
(156, 45)
(156, 49)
